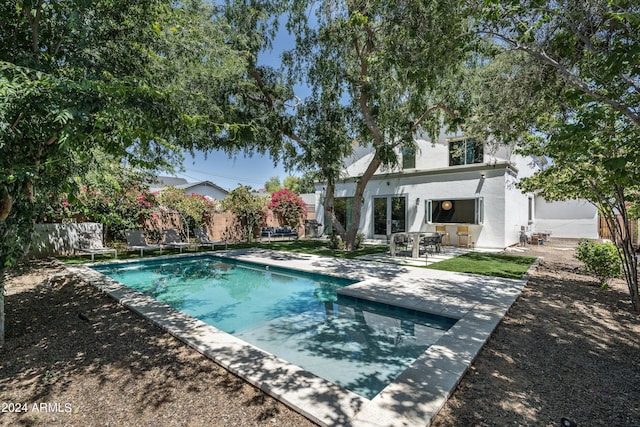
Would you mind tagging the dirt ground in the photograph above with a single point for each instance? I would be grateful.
(565, 349)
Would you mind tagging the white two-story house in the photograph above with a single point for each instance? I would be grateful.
(453, 182)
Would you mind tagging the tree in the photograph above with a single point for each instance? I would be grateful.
(292, 183)
(592, 44)
(194, 209)
(595, 157)
(308, 181)
(248, 207)
(573, 62)
(136, 78)
(388, 68)
(273, 184)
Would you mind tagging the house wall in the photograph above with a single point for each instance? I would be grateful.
(506, 208)
(570, 219)
(459, 182)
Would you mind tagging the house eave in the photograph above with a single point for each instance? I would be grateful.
(508, 167)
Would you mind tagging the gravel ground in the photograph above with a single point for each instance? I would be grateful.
(565, 349)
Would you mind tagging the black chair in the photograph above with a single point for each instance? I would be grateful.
(434, 240)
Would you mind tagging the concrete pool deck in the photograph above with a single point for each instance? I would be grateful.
(413, 398)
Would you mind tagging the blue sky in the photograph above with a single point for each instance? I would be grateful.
(229, 172)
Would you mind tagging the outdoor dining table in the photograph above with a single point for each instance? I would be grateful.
(414, 236)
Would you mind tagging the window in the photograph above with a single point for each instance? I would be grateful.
(458, 211)
(409, 158)
(465, 152)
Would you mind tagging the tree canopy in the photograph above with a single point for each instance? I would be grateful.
(140, 79)
(378, 73)
(564, 86)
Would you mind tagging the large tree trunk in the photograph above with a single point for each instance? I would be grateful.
(330, 213)
(358, 197)
(620, 229)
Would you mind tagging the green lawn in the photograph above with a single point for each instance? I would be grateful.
(489, 264)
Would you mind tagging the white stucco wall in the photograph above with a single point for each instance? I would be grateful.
(570, 219)
(455, 183)
(506, 208)
(60, 239)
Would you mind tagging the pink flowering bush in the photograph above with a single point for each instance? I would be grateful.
(120, 209)
(288, 207)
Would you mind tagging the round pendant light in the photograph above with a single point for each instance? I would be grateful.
(446, 205)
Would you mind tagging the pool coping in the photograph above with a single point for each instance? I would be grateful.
(413, 398)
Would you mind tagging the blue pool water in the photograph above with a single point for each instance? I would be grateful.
(359, 345)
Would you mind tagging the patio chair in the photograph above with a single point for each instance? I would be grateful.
(173, 240)
(136, 240)
(203, 238)
(89, 243)
(463, 232)
(402, 245)
(434, 240)
(442, 229)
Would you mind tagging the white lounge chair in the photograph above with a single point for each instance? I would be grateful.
(136, 240)
(203, 238)
(92, 244)
(173, 240)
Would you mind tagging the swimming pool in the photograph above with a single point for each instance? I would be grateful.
(299, 317)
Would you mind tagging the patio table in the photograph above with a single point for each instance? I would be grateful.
(414, 237)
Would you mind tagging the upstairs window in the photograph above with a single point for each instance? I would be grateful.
(465, 152)
(408, 158)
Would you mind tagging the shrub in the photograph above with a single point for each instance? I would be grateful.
(335, 242)
(194, 209)
(600, 260)
(248, 208)
(288, 207)
(359, 241)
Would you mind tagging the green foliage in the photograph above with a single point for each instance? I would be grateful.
(273, 184)
(109, 193)
(249, 208)
(194, 209)
(359, 241)
(590, 44)
(335, 241)
(307, 182)
(131, 77)
(293, 183)
(600, 259)
(288, 207)
(564, 88)
(380, 73)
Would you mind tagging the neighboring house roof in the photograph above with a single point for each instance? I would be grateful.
(190, 185)
(165, 182)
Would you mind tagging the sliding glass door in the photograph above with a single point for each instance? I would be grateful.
(389, 215)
